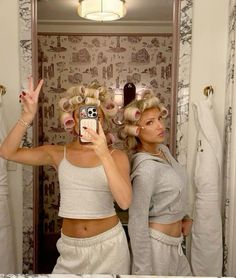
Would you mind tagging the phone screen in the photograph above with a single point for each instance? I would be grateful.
(88, 118)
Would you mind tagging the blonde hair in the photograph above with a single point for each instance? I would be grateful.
(94, 94)
(132, 115)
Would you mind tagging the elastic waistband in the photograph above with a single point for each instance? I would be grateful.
(170, 240)
(89, 241)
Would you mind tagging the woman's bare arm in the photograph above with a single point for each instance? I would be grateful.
(118, 170)
(116, 166)
(10, 148)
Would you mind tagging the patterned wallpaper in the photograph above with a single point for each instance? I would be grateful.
(112, 60)
(26, 24)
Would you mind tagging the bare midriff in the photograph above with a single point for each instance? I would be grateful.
(83, 228)
(173, 229)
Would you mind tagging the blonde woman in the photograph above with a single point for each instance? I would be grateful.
(157, 221)
(91, 176)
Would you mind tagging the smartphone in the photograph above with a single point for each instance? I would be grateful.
(88, 117)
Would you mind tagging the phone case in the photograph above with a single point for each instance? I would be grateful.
(88, 117)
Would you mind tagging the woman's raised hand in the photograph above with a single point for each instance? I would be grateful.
(29, 100)
(98, 140)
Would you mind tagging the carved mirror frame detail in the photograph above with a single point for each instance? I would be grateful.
(26, 21)
(229, 198)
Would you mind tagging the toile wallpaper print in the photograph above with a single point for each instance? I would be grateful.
(112, 60)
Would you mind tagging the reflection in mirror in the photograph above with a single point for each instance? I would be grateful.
(138, 49)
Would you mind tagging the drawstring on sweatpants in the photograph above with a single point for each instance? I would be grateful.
(180, 250)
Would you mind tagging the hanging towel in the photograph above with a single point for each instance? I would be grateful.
(206, 244)
(7, 254)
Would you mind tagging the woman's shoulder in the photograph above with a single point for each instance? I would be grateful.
(118, 152)
(145, 163)
(164, 148)
(53, 148)
(55, 151)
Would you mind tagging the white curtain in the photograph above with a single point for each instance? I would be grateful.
(7, 254)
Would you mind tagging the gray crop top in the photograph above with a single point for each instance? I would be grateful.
(159, 196)
(84, 192)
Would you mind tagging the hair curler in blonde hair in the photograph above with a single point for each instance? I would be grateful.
(147, 93)
(91, 92)
(75, 91)
(75, 100)
(67, 121)
(65, 105)
(92, 101)
(132, 114)
(131, 130)
(110, 108)
(164, 111)
(151, 102)
(79, 90)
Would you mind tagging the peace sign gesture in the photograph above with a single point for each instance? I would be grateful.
(29, 100)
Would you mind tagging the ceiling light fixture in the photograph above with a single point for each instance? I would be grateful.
(102, 10)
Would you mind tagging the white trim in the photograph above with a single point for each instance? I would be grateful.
(110, 23)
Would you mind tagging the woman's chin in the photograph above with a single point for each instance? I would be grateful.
(161, 139)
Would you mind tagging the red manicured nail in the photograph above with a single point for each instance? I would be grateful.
(84, 127)
(23, 93)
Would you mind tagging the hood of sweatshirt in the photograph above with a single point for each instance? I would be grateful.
(140, 157)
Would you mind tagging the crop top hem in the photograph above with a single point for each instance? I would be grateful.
(87, 216)
(167, 220)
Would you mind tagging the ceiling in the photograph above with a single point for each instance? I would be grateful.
(137, 11)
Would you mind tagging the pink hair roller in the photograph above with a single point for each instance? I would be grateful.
(132, 114)
(110, 108)
(68, 121)
(65, 105)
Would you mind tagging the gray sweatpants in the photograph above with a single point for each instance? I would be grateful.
(106, 253)
(167, 255)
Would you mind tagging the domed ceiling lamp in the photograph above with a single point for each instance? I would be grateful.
(102, 10)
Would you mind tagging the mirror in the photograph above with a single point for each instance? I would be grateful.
(112, 54)
(149, 33)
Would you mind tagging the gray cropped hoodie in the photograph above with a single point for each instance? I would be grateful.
(159, 196)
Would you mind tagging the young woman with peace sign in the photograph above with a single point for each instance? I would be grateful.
(91, 177)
